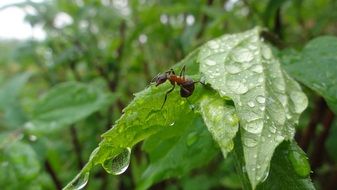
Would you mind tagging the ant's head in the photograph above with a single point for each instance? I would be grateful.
(160, 79)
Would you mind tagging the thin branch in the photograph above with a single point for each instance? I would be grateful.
(332, 185)
(319, 149)
(311, 128)
(278, 23)
(77, 146)
(53, 175)
(204, 21)
(74, 71)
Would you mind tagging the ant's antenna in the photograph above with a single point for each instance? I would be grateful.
(154, 78)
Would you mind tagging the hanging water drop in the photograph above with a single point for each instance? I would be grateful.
(79, 182)
(119, 163)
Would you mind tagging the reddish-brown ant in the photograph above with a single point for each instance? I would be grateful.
(186, 84)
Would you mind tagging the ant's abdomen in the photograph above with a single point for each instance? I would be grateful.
(187, 88)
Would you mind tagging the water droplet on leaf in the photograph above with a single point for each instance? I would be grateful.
(261, 99)
(255, 126)
(300, 101)
(266, 52)
(213, 45)
(191, 138)
(237, 87)
(243, 55)
(210, 62)
(257, 69)
(249, 142)
(251, 104)
(79, 182)
(119, 163)
(232, 68)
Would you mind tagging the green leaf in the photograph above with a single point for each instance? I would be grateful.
(9, 100)
(282, 167)
(66, 104)
(220, 120)
(175, 153)
(142, 118)
(268, 102)
(317, 68)
(20, 162)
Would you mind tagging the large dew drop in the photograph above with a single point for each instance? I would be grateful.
(79, 182)
(118, 164)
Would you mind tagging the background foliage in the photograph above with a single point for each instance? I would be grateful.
(58, 95)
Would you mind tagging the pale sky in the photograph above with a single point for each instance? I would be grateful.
(12, 25)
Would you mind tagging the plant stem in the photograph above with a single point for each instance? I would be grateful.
(77, 146)
(278, 23)
(53, 175)
(204, 20)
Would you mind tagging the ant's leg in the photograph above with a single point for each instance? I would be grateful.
(199, 82)
(172, 71)
(167, 95)
(182, 72)
(154, 78)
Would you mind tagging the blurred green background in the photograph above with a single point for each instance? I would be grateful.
(58, 94)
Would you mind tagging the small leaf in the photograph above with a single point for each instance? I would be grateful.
(268, 102)
(20, 162)
(316, 68)
(189, 146)
(9, 100)
(283, 172)
(66, 104)
(220, 120)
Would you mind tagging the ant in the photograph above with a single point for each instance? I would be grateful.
(186, 84)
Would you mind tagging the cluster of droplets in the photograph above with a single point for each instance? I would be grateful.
(247, 72)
